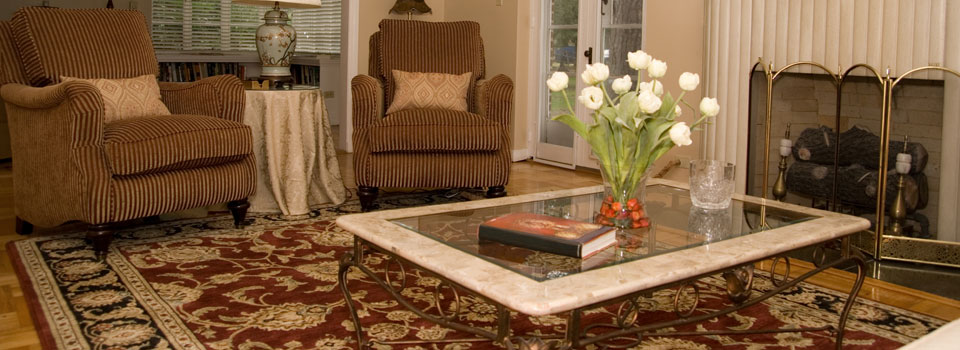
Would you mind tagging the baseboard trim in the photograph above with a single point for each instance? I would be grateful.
(520, 155)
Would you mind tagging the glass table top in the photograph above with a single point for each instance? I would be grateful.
(675, 224)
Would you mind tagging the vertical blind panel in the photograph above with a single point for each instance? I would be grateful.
(839, 33)
(213, 26)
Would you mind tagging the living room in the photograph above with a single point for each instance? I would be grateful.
(338, 199)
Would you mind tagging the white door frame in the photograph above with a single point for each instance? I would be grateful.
(349, 43)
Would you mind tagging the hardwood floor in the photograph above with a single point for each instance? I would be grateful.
(17, 331)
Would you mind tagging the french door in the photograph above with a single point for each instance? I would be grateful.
(576, 33)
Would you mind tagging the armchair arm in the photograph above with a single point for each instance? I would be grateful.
(495, 99)
(367, 100)
(56, 133)
(74, 106)
(221, 96)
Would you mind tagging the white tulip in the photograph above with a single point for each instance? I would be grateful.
(648, 102)
(653, 86)
(689, 81)
(592, 97)
(677, 110)
(622, 85)
(558, 81)
(595, 73)
(680, 134)
(709, 107)
(638, 59)
(657, 69)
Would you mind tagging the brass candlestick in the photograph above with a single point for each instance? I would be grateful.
(898, 211)
(780, 186)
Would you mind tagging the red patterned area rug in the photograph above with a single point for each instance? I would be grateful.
(201, 284)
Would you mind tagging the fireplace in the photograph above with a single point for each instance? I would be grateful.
(833, 156)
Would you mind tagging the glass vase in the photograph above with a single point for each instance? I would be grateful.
(623, 203)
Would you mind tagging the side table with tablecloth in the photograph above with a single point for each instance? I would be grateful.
(296, 160)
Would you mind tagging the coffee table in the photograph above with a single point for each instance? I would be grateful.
(682, 245)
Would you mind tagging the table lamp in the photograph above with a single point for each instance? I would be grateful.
(276, 40)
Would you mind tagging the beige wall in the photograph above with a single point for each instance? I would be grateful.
(675, 35)
(500, 34)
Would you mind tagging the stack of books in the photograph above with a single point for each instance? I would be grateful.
(549, 234)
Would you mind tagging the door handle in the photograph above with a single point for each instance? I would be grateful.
(589, 55)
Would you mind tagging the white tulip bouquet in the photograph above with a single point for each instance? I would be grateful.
(631, 130)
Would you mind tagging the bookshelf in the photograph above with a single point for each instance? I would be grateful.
(193, 71)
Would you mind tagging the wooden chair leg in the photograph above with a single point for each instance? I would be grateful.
(23, 227)
(239, 210)
(100, 236)
(496, 192)
(368, 197)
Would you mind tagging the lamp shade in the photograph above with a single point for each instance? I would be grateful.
(288, 4)
(410, 6)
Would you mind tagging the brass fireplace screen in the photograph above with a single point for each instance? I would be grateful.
(858, 142)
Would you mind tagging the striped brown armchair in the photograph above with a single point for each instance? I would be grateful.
(430, 148)
(71, 165)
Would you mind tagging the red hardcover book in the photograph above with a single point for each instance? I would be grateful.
(547, 233)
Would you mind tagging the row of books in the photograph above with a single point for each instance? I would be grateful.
(305, 75)
(193, 71)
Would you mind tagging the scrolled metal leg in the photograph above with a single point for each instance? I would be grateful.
(437, 295)
(696, 300)
(572, 338)
(773, 270)
(534, 343)
(739, 283)
(819, 255)
(503, 325)
(628, 313)
(403, 275)
(851, 299)
(346, 262)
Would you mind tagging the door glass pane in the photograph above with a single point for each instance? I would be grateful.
(621, 25)
(561, 48)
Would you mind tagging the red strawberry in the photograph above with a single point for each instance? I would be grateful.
(635, 224)
(635, 215)
(633, 204)
(617, 206)
(644, 222)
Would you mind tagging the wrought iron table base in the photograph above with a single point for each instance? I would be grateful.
(739, 286)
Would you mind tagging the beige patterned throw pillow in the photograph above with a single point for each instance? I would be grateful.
(128, 98)
(430, 91)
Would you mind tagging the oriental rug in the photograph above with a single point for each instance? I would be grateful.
(201, 284)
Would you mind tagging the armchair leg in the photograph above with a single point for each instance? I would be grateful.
(496, 192)
(368, 198)
(23, 227)
(238, 209)
(100, 237)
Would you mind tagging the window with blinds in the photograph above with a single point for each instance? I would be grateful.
(220, 26)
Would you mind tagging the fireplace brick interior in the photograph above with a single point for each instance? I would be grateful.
(809, 101)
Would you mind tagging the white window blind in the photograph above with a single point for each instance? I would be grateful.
(220, 26)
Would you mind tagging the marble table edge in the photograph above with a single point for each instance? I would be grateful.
(532, 297)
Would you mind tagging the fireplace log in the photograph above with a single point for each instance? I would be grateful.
(857, 185)
(858, 146)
